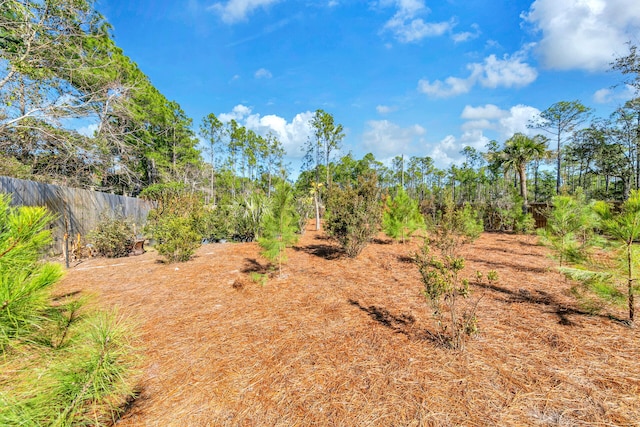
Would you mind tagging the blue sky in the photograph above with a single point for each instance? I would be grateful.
(410, 77)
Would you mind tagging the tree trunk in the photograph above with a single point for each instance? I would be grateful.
(522, 171)
(558, 174)
(630, 282)
(317, 204)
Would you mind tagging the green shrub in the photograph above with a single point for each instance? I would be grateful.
(113, 237)
(177, 222)
(440, 264)
(176, 238)
(354, 214)
(525, 224)
(624, 227)
(248, 212)
(217, 223)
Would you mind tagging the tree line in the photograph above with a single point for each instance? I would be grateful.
(62, 71)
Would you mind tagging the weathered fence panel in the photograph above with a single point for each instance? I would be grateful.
(540, 210)
(76, 210)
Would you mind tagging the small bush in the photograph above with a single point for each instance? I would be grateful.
(248, 212)
(176, 238)
(113, 237)
(217, 223)
(177, 221)
(525, 224)
(440, 264)
(354, 214)
(570, 228)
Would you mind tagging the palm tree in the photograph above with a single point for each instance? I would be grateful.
(518, 151)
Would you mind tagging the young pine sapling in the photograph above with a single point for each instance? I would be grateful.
(625, 228)
(280, 226)
(401, 216)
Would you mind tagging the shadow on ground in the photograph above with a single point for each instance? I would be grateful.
(544, 299)
(402, 324)
(326, 251)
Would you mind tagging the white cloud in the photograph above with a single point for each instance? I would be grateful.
(507, 72)
(385, 109)
(447, 151)
(384, 138)
(605, 96)
(585, 34)
(510, 71)
(467, 35)
(263, 73)
(407, 25)
(488, 112)
(238, 113)
(451, 86)
(293, 135)
(333, 3)
(237, 10)
(517, 121)
(504, 122)
(88, 130)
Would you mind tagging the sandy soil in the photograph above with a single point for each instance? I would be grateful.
(345, 342)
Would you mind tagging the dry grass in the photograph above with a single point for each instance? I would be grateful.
(342, 342)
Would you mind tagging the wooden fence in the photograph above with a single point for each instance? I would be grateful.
(540, 210)
(77, 211)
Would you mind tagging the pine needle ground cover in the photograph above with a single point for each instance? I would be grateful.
(337, 341)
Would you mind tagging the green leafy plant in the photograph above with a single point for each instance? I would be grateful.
(492, 276)
(401, 216)
(113, 237)
(60, 364)
(217, 222)
(280, 226)
(177, 221)
(440, 270)
(354, 214)
(176, 238)
(525, 224)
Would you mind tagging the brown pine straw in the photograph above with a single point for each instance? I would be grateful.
(345, 342)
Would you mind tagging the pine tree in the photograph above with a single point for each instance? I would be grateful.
(401, 216)
(24, 282)
(569, 228)
(60, 364)
(280, 226)
(625, 228)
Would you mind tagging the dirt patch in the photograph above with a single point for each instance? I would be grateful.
(343, 342)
